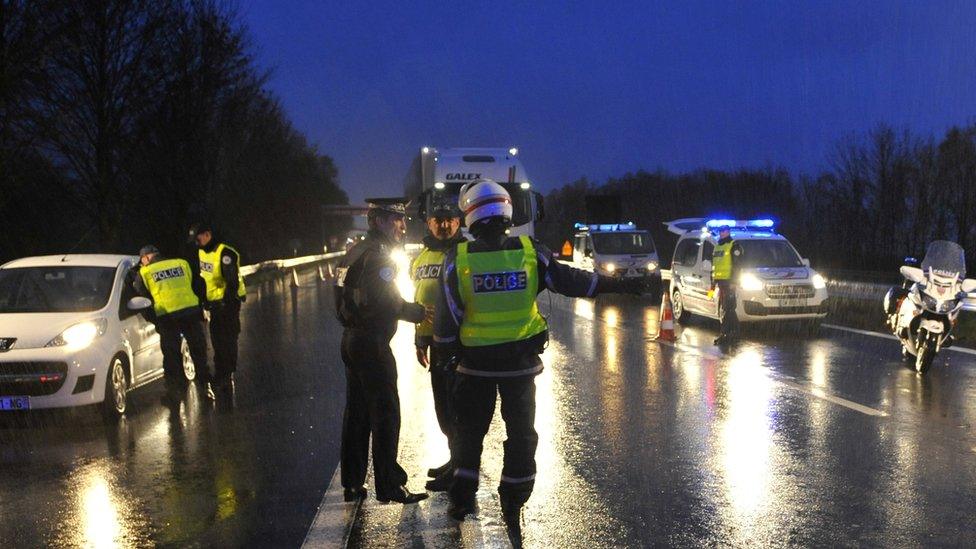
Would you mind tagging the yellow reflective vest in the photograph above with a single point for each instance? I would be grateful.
(212, 273)
(425, 271)
(170, 283)
(722, 261)
(498, 290)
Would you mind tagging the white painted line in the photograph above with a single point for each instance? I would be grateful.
(963, 350)
(334, 519)
(821, 394)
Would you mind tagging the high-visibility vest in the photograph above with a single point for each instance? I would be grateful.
(722, 261)
(498, 290)
(425, 271)
(212, 273)
(170, 283)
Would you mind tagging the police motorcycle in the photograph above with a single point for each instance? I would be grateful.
(923, 311)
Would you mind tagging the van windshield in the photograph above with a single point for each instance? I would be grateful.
(55, 289)
(623, 243)
(767, 254)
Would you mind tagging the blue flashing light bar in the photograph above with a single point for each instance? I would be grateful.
(606, 227)
(740, 224)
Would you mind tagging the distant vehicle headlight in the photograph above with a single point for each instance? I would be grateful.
(609, 267)
(819, 282)
(750, 282)
(79, 336)
(652, 266)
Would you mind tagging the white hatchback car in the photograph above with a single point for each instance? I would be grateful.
(71, 334)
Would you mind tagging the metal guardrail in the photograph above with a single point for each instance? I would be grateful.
(285, 264)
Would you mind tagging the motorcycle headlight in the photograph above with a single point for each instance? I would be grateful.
(750, 282)
(819, 282)
(80, 335)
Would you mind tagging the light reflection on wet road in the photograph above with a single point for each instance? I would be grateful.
(641, 444)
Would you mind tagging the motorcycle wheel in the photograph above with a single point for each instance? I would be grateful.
(924, 359)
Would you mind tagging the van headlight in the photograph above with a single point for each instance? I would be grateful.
(79, 336)
(609, 267)
(652, 266)
(819, 282)
(750, 282)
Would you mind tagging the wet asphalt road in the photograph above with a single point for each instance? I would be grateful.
(786, 440)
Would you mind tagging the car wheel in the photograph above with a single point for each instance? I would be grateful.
(680, 313)
(189, 369)
(116, 389)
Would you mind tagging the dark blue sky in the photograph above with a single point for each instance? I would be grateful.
(601, 89)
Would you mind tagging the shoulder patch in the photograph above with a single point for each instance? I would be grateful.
(387, 274)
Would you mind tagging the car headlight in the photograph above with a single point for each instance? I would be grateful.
(750, 282)
(652, 266)
(609, 267)
(819, 282)
(80, 335)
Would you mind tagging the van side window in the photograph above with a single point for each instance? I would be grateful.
(707, 250)
(588, 245)
(686, 254)
(578, 244)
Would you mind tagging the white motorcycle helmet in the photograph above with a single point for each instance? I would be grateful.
(482, 199)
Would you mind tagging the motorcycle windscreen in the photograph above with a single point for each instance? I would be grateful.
(945, 258)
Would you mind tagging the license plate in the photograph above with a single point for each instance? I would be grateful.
(8, 404)
(796, 302)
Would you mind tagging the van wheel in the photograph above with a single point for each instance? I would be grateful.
(189, 369)
(116, 390)
(680, 313)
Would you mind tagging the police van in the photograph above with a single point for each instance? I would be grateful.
(773, 281)
(618, 250)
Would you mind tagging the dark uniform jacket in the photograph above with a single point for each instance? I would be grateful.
(506, 359)
(366, 294)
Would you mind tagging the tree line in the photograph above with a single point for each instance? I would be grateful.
(123, 121)
(883, 195)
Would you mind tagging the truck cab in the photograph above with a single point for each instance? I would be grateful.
(773, 282)
(616, 249)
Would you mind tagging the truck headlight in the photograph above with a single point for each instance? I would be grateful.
(750, 282)
(819, 282)
(79, 336)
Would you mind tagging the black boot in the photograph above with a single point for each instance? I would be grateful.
(442, 483)
(353, 494)
(461, 505)
(438, 471)
(400, 495)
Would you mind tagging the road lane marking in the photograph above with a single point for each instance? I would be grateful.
(890, 336)
(815, 392)
(334, 519)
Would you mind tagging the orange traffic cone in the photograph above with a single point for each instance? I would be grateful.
(665, 329)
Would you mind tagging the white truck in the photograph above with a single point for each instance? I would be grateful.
(437, 173)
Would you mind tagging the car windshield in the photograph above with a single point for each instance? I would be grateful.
(55, 289)
(945, 258)
(768, 254)
(623, 243)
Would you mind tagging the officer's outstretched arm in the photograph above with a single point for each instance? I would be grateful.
(571, 282)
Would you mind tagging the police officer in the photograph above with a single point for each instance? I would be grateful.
(220, 268)
(487, 317)
(170, 284)
(444, 223)
(724, 257)
(369, 305)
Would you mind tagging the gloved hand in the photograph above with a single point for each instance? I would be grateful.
(448, 363)
(422, 357)
(413, 312)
